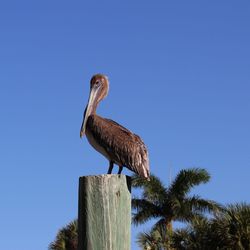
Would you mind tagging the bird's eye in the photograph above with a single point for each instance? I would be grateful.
(97, 83)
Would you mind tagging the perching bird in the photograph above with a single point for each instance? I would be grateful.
(116, 143)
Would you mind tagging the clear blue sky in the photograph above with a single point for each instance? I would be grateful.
(179, 77)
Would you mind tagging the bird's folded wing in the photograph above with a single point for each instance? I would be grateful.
(123, 147)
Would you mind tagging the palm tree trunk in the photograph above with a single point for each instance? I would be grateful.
(169, 226)
(169, 231)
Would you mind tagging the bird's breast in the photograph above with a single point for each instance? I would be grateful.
(95, 144)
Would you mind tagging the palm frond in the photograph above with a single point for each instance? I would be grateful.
(228, 229)
(153, 190)
(145, 210)
(147, 241)
(156, 239)
(194, 236)
(233, 226)
(195, 203)
(186, 179)
(181, 239)
(66, 238)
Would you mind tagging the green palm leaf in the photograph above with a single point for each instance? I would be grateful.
(66, 238)
(186, 179)
(153, 190)
(145, 210)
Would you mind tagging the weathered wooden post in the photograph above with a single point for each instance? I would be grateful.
(104, 212)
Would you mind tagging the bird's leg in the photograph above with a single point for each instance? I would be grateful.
(111, 165)
(120, 169)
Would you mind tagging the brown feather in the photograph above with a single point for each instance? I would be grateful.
(118, 144)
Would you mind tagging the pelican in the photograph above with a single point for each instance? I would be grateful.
(116, 143)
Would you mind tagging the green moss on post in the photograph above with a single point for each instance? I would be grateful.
(104, 212)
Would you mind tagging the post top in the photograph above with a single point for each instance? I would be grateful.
(106, 176)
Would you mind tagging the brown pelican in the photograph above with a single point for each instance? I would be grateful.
(116, 143)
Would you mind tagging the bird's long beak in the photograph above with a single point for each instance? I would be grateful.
(89, 109)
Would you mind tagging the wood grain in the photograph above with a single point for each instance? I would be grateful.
(104, 212)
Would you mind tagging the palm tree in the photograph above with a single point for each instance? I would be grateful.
(232, 227)
(228, 229)
(168, 204)
(193, 236)
(66, 238)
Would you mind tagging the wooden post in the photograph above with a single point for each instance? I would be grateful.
(104, 212)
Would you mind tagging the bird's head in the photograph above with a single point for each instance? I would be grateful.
(99, 86)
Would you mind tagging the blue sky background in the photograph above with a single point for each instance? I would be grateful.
(179, 77)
